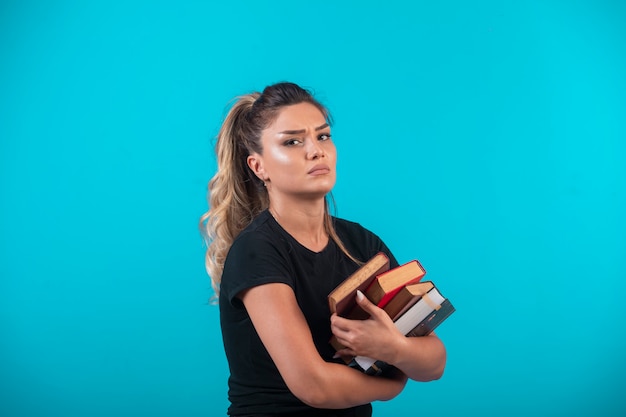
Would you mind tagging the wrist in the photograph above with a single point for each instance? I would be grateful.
(400, 345)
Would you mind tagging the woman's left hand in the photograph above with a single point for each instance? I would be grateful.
(375, 337)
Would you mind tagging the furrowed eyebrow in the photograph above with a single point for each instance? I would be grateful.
(299, 132)
(324, 126)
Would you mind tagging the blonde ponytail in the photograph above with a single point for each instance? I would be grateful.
(235, 194)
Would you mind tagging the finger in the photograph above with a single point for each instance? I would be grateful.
(339, 323)
(343, 336)
(366, 304)
(347, 352)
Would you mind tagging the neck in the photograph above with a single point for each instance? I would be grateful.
(305, 222)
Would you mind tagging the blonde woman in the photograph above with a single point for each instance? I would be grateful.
(275, 252)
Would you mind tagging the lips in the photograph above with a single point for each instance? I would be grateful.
(319, 169)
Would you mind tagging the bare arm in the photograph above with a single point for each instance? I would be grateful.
(285, 334)
(420, 358)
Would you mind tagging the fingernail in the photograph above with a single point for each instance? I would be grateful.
(336, 356)
(359, 295)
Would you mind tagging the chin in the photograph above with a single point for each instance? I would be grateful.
(327, 188)
(316, 193)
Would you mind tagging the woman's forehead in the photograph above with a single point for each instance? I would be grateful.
(298, 116)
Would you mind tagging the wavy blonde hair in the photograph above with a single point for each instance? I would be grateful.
(235, 195)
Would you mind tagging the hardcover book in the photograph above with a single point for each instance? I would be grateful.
(343, 298)
(388, 284)
(406, 297)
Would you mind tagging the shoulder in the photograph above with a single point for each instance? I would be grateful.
(260, 229)
(350, 230)
(258, 255)
(359, 240)
(258, 241)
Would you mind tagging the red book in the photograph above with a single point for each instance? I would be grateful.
(389, 283)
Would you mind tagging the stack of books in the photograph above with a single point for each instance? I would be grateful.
(416, 307)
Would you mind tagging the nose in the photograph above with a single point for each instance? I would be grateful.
(314, 150)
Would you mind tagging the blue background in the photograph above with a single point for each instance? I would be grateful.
(486, 139)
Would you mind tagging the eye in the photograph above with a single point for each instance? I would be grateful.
(324, 136)
(292, 142)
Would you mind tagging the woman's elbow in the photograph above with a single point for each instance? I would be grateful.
(438, 372)
(440, 362)
(432, 374)
(434, 370)
(310, 388)
(312, 395)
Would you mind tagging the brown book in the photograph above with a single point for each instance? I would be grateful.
(406, 298)
(342, 299)
(388, 284)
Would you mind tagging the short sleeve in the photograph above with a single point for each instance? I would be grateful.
(254, 260)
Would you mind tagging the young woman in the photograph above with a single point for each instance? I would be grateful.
(275, 253)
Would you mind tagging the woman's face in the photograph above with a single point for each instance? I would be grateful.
(299, 156)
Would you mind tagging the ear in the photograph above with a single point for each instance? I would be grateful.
(255, 162)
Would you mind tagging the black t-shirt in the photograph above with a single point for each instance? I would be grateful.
(265, 253)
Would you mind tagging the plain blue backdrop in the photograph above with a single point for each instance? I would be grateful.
(486, 139)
